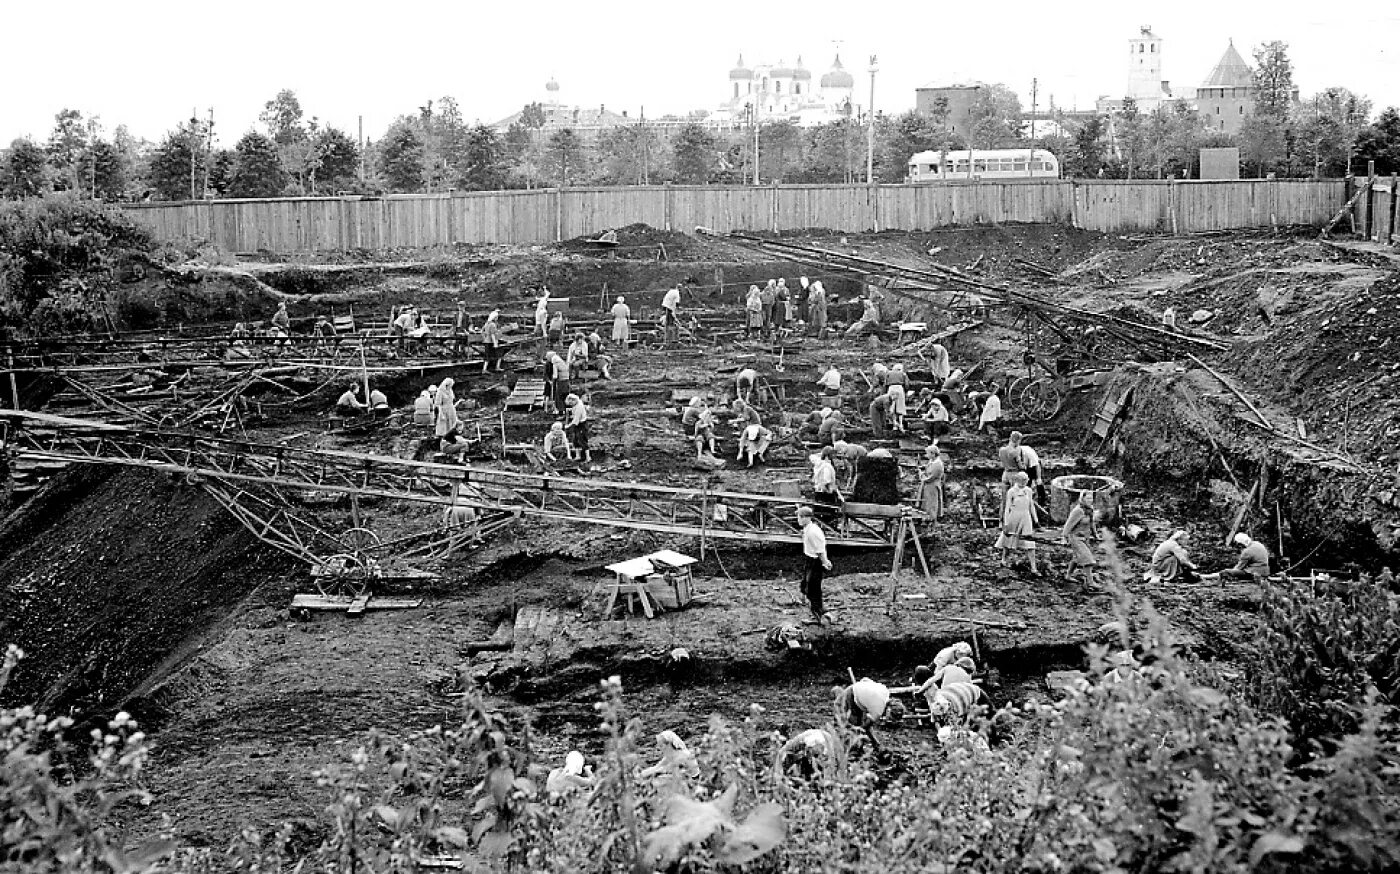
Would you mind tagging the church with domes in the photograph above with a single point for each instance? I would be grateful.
(788, 92)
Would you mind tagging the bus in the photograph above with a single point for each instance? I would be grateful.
(983, 164)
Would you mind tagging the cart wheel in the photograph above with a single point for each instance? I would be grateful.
(344, 575)
(1041, 400)
(360, 540)
(1015, 387)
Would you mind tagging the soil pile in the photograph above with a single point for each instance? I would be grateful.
(639, 241)
(108, 573)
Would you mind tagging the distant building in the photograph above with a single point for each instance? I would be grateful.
(1146, 87)
(778, 91)
(950, 103)
(1226, 98)
(587, 122)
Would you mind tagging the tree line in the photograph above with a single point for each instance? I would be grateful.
(434, 149)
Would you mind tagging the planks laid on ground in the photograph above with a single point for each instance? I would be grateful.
(527, 395)
(353, 605)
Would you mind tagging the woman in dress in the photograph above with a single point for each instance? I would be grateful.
(622, 322)
(931, 479)
(1079, 528)
(816, 311)
(753, 310)
(1018, 520)
(445, 409)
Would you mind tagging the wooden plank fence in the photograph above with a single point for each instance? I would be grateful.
(550, 215)
(1378, 213)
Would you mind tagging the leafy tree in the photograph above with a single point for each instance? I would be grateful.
(170, 170)
(565, 156)
(900, 138)
(694, 151)
(523, 146)
(484, 160)
(628, 154)
(1328, 126)
(779, 150)
(1380, 142)
(221, 164)
(282, 117)
(1171, 139)
(401, 159)
(522, 156)
(835, 153)
(24, 170)
(337, 160)
(1262, 142)
(68, 147)
(1086, 153)
(1273, 80)
(257, 172)
(110, 170)
(995, 118)
(1129, 137)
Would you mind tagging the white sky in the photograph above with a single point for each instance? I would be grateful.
(147, 63)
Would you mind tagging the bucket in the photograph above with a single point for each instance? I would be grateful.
(1065, 490)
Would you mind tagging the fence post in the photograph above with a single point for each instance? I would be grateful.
(1395, 209)
(1173, 204)
(667, 208)
(558, 195)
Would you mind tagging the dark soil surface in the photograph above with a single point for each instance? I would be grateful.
(135, 590)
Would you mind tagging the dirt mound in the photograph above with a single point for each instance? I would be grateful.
(109, 573)
(638, 241)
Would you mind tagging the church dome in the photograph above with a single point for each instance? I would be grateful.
(800, 72)
(551, 86)
(838, 77)
(740, 71)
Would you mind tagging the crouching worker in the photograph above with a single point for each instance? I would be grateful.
(573, 776)
(754, 443)
(1170, 562)
(677, 761)
(866, 703)
(809, 753)
(348, 406)
(556, 445)
(1253, 563)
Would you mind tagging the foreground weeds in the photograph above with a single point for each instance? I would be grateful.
(1135, 770)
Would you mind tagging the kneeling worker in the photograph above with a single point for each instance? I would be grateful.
(348, 405)
(1253, 563)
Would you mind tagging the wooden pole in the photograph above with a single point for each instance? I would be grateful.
(14, 384)
(364, 373)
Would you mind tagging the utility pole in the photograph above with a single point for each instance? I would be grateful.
(870, 132)
(1030, 158)
(209, 150)
(754, 107)
(194, 147)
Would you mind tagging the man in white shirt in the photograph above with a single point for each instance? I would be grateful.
(815, 561)
(671, 315)
(831, 380)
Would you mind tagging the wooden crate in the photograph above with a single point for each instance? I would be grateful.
(671, 591)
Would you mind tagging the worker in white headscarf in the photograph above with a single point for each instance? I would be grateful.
(754, 443)
(573, 776)
(445, 409)
(423, 409)
(622, 322)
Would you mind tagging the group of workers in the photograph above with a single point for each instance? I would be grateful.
(776, 310)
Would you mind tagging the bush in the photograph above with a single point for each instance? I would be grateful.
(1323, 648)
(1150, 769)
(56, 819)
(58, 256)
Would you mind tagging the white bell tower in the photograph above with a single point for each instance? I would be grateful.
(1145, 69)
